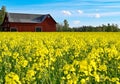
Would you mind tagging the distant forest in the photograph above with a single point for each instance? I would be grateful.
(102, 28)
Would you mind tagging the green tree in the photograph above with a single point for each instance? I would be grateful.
(2, 15)
(103, 28)
(66, 25)
(109, 28)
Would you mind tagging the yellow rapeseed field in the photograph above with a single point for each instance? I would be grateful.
(59, 58)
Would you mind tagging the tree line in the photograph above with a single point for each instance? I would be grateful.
(103, 28)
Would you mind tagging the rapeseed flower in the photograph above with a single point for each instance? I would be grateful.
(73, 58)
(12, 78)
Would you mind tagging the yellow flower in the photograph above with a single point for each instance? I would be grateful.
(72, 68)
(103, 67)
(83, 65)
(69, 82)
(65, 72)
(0, 59)
(52, 68)
(24, 63)
(66, 67)
(30, 73)
(117, 82)
(97, 78)
(63, 78)
(12, 78)
(115, 79)
(15, 55)
(76, 57)
(68, 76)
(83, 81)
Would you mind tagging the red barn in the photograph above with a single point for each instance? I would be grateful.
(28, 22)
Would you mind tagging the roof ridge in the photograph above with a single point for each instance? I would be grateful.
(26, 13)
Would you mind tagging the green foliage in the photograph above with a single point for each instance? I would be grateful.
(66, 25)
(103, 28)
(63, 27)
(2, 15)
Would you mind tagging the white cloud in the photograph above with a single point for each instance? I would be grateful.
(76, 22)
(97, 15)
(65, 12)
(80, 11)
(102, 14)
(110, 13)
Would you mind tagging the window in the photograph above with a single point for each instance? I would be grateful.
(38, 29)
(13, 29)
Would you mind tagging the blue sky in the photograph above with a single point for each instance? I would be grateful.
(77, 12)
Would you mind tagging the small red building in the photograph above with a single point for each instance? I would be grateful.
(28, 22)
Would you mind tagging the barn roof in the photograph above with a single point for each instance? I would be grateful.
(26, 18)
